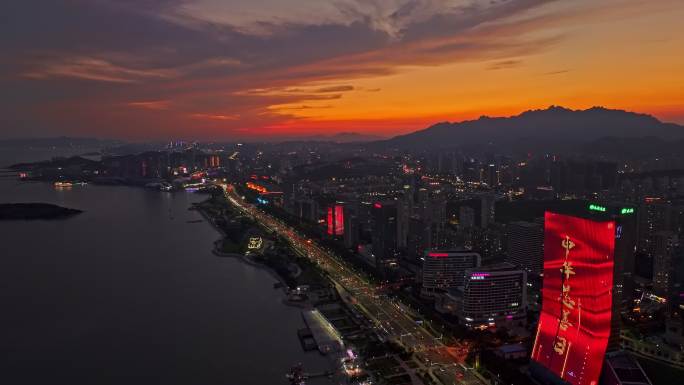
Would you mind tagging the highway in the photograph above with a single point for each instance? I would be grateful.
(391, 321)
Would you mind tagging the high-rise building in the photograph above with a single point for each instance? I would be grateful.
(403, 212)
(466, 217)
(306, 209)
(351, 230)
(487, 242)
(654, 216)
(492, 175)
(525, 246)
(444, 270)
(335, 220)
(665, 247)
(494, 296)
(419, 238)
(487, 212)
(385, 234)
(575, 321)
(625, 219)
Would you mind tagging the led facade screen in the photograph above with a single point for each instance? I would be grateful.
(335, 220)
(574, 324)
(339, 220)
(331, 221)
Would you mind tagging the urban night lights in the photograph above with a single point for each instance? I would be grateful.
(342, 192)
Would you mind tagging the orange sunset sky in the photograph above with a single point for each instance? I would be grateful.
(221, 70)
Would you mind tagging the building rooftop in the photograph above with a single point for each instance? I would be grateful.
(512, 348)
(626, 369)
(503, 266)
(323, 332)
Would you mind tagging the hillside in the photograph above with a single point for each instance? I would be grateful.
(550, 129)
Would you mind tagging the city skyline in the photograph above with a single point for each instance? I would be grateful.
(214, 70)
(329, 192)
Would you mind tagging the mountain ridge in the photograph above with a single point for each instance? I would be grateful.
(552, 127)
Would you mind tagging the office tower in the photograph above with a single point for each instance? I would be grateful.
(625, 240)
(666, 244)
(487, 202)
(403, 212)
(422, 196)
(351, 230)
(306, 209)
(575, 322)
(335, 220)
(653, 216)
(525, 246)
(466, 217)
(487, 242)
(419, 238)
(492, 175)
(385, 234)
(444, 270)
(494, 296)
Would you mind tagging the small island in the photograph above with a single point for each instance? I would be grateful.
(33, 211)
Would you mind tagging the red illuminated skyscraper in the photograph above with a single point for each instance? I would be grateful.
(575, 322)
(339, 220)
(335, 220)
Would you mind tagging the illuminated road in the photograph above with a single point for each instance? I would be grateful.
(391, 320)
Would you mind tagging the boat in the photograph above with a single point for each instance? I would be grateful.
(69, 183)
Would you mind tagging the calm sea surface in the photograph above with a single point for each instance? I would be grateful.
(129, 293)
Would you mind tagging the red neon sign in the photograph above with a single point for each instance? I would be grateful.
(438, 255)
(574, 325)
(377, 206)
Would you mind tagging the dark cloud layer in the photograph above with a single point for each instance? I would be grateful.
(114, 67)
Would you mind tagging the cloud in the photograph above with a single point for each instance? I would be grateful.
(162, 50)
(558, 72)
(215, 116)
(88, 68)
(305, 107)
(504, 64)
(224, 61)
(157, 105)
(334, 89)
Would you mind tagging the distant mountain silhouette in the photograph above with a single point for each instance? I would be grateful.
(551, 128)
(342, 137)
(57, 142)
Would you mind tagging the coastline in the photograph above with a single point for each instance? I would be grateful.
(249, 261)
